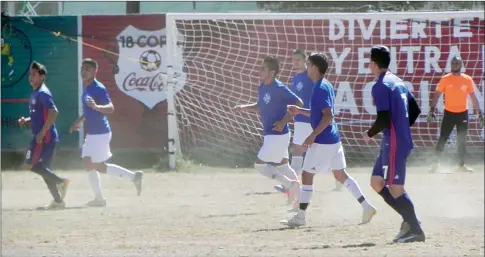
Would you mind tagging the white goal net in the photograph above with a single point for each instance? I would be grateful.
(222, 54)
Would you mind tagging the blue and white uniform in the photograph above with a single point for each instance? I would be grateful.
(326, 153)
(273, 101)
(97, 142)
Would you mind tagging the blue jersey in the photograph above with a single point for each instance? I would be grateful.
(96, 122)
(390, 94)
(273, 100)
(39, 103)
(302, 86)
(323, 96)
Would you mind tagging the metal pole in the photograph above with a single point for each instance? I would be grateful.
(132, 7)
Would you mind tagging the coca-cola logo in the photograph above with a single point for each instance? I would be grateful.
(146, 83)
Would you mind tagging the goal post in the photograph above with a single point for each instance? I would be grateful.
(220, 56)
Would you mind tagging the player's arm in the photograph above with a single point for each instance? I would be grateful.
(291, 100)
(52, 112)
(439, 91)
(326, 108)
(413, 109)
(104, 104)
(254, 107)
(323, 124)
(383, 107)
(473, 96)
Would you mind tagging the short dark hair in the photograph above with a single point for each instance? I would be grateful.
(39, 67)
(300, 52)
(272, 63)
(90, 62)
(320, 60)
(381, 56)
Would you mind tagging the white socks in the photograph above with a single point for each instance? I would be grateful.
(356, 192)
(118, 171)
(95, 182)
(273, 173)
(296, 164)
(288, 171)
(306, 193)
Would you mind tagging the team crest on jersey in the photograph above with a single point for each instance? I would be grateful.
(463, 88)
(146, 78)
(267, 98)
(33, 101)
(299, 86)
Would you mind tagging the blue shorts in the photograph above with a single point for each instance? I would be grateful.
(40, 153)
(391, 164)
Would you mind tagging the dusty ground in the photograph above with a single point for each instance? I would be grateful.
(235, 213)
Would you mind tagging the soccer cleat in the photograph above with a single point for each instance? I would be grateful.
(411, 237)
(434, 167)
(296, 221)
(62, 188)
(465, 168)
(368, 214)
(280, 188)
(292, 192)
(97, 203)
(405, 228)
(56, 205)
(138, 182)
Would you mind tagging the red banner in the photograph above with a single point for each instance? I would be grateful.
(132, 69)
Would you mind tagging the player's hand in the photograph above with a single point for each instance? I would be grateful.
(431, 116)
(22, 122)
(293, 109)
(75, 127)
(480, 120)
(309, 141)
(238, 108)
(367, 139)
(39, 137)
(279, 126)
(90, 102)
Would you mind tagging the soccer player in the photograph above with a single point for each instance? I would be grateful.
(325, 152)
(273, 99)
(397, 111)
(456, 87)
(302, 86)
(96, 149)
(43, 115)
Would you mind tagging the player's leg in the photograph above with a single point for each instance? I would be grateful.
(62, 183)
(395, 179)
(103, 153)
(301, 132)
(310, 166)
(390, 169)
(461, 134)
(275, 150)
(447, 125)
(34, 159)
(338, 165)
(87, 152)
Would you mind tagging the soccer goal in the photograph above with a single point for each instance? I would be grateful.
(219, 56)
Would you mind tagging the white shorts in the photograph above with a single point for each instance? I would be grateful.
(302, 131)
(275, 148)
(97, 147)
(321, 158)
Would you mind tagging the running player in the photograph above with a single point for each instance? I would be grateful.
(273, 99)
(397, 111)
(43, 115)
(325, 152)
(96, 149)
(302, 86)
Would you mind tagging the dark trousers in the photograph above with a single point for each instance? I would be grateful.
(450, 120)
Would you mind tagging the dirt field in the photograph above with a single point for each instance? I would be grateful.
(236, 214)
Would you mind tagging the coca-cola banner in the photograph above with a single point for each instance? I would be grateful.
(133, 69)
